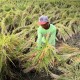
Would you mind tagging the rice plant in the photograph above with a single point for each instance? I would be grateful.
(10, 47)
(18, 26)
(72, 72)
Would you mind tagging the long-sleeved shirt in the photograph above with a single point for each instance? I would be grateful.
(42, 35)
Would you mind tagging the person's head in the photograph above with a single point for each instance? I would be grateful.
(44, 22)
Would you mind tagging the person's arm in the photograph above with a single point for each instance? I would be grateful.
(39, 39)
(52, 39)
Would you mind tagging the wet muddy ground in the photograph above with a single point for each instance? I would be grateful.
(74, 41)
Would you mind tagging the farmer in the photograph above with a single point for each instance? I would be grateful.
(45, 29)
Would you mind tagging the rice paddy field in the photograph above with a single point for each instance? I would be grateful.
(19, 57)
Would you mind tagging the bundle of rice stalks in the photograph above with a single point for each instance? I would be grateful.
(40, 58)
(68, 53)
(65, 48)
(72, 72)
(76, 59)
(64, 32)
(74, 24)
